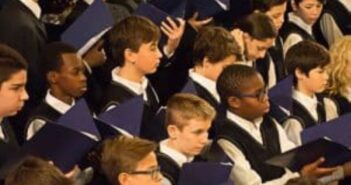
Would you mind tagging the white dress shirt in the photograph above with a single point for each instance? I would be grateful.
(294, 38)
(53, 102)
(2, 135)
(242, 173)
(293, 127)
(33, 7)
(206, 83)
(177, 156)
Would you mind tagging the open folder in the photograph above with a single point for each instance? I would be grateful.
(333, 152)
(204, 173)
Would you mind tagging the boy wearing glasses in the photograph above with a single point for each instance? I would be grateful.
(130, 161)
(188, 119)
(306, 61)
(249, 136)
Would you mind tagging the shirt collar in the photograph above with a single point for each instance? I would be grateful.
(177, 156)
(57, 104)
(298, 21)
(2, 135)
(206, 83)
(247, 125)
(306, 101)
(347, 4)
(33, 7)
(138, 88)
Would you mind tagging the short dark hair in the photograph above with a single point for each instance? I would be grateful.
(258, 25)
(305, 56)
(266, 5)
(51, 57)
(216, 44)
(35, 171)
(11, 62)
(122, 154)
(130, 33)
(231, 79)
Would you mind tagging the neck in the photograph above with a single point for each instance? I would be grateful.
(131, 74)
(304, 90)
(242, 115)
(62, 96)
(174, 145)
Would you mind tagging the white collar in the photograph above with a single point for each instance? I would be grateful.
(177, 156)
(308, 102)
(89, 2)
(222, 5)
(206, 83)
(138, 88)
(247, 125)
(298, 21)
(32, 6)
(347, 4)
(2, 135)
(57, 104)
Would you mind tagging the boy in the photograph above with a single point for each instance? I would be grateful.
(64, 72)
(275, 10)
(188, 119)
(249, 136)
(134, 50)
(35, 171)
(134, 164)
(257, 33)
(306, 61)
(13, 78)
(214, 49)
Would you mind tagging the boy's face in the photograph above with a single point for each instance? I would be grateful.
(215, 69)
(276, 13)
(316, 81)
(256, 49)
(71, 78)
(192, 138)
(13, 94)
(309, 10)
(150, 173)
(147, 58)
(253, 102)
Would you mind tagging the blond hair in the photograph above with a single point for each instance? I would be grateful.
(122, 155)
(183, 107)
(340, 53)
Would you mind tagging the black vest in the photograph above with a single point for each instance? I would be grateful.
(10, 137)
(342, 103)
(290, 27)
(151, 128)
(169, 167)
(340, 14)
(304, 116)
(255, 152)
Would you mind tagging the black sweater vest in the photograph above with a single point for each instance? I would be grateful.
(255, 152)
(304, 116)
(342, 103)
(290, 27)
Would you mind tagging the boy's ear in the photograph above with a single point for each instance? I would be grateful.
(129, 56)
(122, 178)
(206, 63)
(51, 77)
(172, 131)
(299, 74)
(234, 102)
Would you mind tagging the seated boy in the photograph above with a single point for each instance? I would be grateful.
(249, 136)
(214, 49)
(130, 161)
(35, 171)
(188, 119)
(306, 61)
(134, 50)
(64, 72)
(13, 78)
